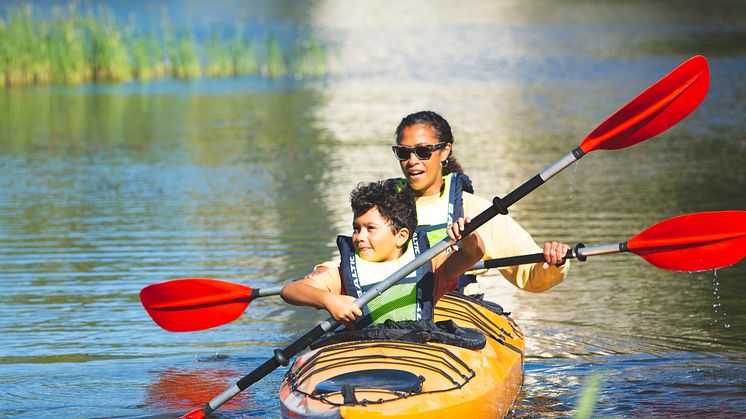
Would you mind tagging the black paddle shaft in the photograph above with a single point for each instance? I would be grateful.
(282, 357)
(571, 253)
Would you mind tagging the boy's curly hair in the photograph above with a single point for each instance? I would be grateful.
(395, 202)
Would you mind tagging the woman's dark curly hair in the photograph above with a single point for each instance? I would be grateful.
(442, 131)
(394, 200)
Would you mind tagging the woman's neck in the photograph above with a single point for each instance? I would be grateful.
(432, 190)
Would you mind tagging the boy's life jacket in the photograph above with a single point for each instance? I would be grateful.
(409, 299)
(450, 206)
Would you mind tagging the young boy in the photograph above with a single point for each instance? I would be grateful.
(384, 240)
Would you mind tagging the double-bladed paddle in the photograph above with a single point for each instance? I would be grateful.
(653, 111)
(692, 242)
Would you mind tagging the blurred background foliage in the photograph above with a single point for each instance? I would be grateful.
(75, 45)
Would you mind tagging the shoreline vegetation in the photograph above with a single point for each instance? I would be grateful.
(74, 47)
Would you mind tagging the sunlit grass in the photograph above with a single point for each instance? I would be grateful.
(274, 61)
(75, 47)
(219, 60)
(108, 56)
(309, 58)
(243, 57)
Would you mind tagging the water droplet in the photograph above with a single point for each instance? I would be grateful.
(716, 306)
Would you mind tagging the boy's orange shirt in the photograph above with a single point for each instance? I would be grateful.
(331, 279)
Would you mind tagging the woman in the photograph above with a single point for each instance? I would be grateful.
(424, 148)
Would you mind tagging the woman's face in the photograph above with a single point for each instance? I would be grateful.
(423, 175)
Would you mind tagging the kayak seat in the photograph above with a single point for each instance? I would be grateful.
(479, 300)
(372, 379)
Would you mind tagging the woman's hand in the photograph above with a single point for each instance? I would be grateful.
(554, 254)
(455, 230)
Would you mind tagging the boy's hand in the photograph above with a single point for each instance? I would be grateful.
(342, 309)
(554, 254)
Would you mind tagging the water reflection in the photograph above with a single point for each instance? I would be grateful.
(177, 390)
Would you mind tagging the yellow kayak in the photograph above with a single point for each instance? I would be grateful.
(395, 378)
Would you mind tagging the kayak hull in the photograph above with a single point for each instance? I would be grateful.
(449, 380)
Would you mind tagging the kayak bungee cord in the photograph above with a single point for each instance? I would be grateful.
(453, 369)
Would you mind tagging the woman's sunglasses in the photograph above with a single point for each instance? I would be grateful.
(423, 152)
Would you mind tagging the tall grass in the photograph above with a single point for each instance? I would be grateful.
(74, 47)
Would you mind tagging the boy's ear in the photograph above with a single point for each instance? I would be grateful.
(401, 237)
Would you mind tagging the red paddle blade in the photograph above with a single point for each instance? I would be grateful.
(655, 110)
(187, 305)
(693, 242)
(194, 414)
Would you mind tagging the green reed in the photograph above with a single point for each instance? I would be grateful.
(230, 56)
(75, 47)
(309, 58)
(588, 396)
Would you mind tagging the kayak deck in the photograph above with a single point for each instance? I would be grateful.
(363, 379)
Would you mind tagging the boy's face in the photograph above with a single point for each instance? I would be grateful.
(373, 239)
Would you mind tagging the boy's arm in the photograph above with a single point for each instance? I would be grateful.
(322, 292)
(304, 292)
(470, 252)
(323, 267)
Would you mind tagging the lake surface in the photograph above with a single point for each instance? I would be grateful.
(106, 189)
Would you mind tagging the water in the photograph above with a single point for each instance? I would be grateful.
(106, 189)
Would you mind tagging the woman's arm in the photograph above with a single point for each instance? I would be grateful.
(504, 237)
(470, 252)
